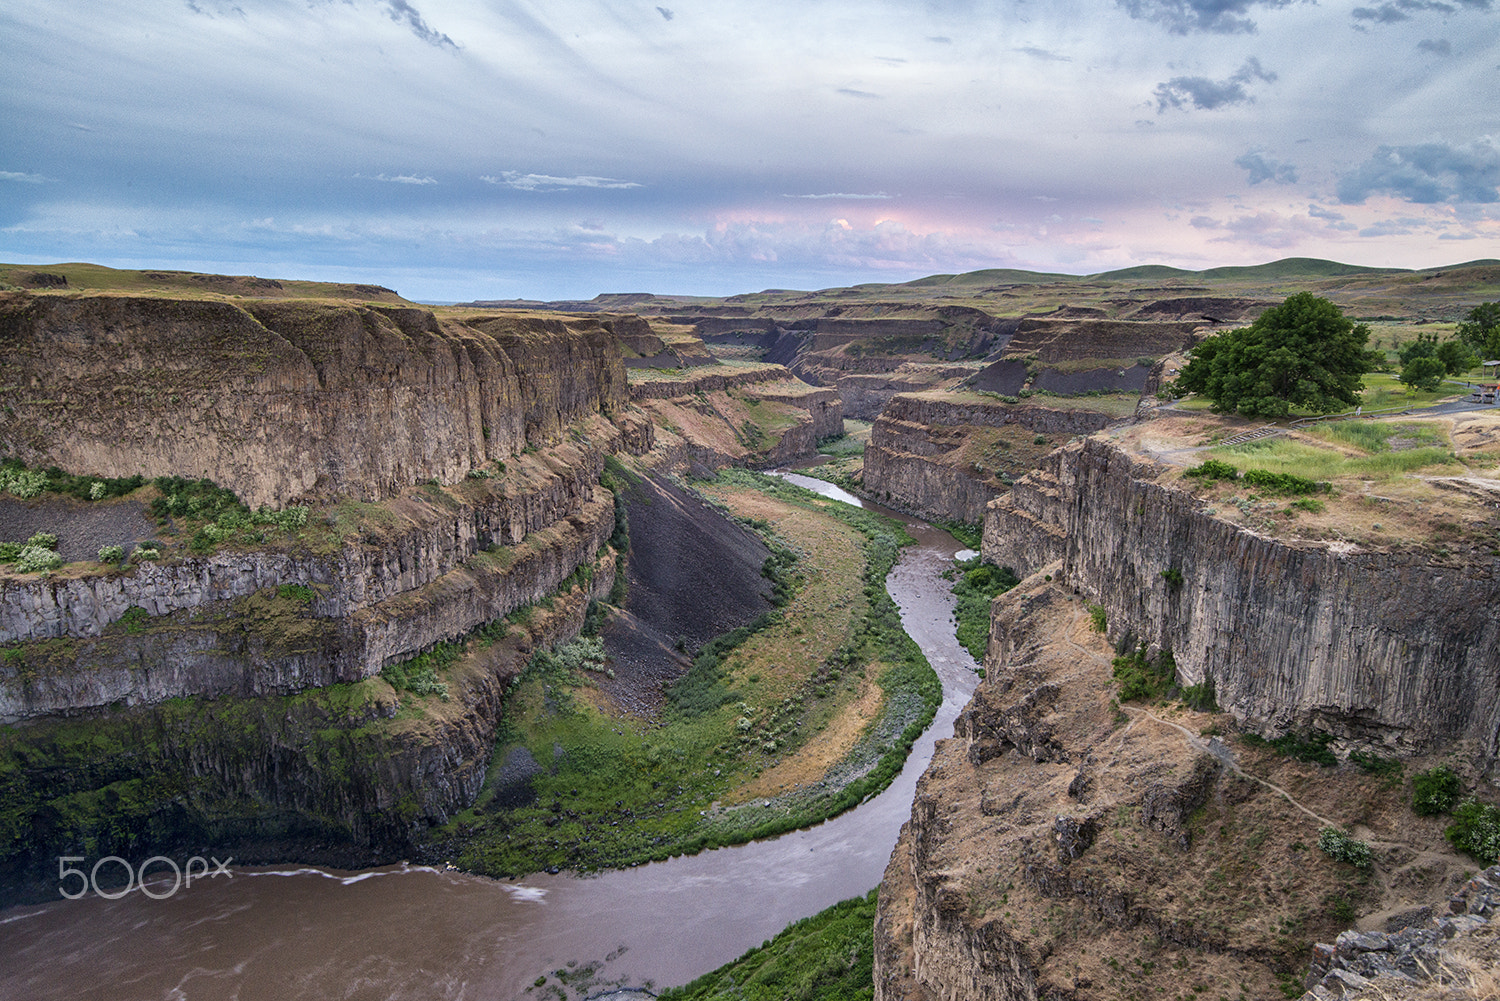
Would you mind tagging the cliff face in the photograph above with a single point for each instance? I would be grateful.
(447, 564)
(277, 400)
(721, 417)
(946, 456)
(1063, 847)
(347, 776)
(1396, 647)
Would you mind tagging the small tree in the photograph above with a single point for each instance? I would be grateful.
(1303, 353)
(1423, 372)
(1457, 356)
(1425, 346)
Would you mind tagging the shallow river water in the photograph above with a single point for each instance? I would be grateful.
(422, 933)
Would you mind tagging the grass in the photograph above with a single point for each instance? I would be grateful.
(1384, 390)
(717, 766)
(1317, 463)
(827, 957)
(97, 277)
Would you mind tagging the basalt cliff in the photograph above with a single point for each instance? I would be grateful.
(1073, 841)
(243, 678)
(1392, 645)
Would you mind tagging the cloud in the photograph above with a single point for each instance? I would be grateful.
(546, 182)
(398, 178)
(20, 178)
(1332, 219)
(1182, 17)
(1435, 46)
(1428, 173)
(1393, 227)
(1404, 10)
(404, 13)
(1263, 169)
(1262, 229)
(666, 13)
(1039, 53)
(840, 194)
(1201, 92)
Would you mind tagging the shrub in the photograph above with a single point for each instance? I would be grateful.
(134, 620)
(183, 498)
(1311, 747)
(45, 540)
(1341, 847)
(296, 592)
(1435, 791)
(111, 554)
(147, 551)
(1283, 483)
(1476, 830)
(1098, 618)
(288, 519)
(583, 654)
(22, 482)
(9, 551)
(1373, 764)
(35, 559)
(1141, 678)
(1213, 469)
(1172, 576)
(96, 491)
(1201, 697)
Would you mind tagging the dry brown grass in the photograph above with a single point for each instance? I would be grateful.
(777, 661)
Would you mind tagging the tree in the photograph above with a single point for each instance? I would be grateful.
(1303, 353)
(1480, 329)
(1456, 357)
(1423, 372)
(1425, 346)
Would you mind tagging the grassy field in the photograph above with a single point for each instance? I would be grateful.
(98, 278)
(774, 727)
(1371, 460)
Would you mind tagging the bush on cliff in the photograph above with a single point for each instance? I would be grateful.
(1304, 353)
(1435, 791)
(1476, 830)
(1341, 847)
(1143, 678)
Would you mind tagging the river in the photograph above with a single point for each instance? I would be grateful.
(422, 933)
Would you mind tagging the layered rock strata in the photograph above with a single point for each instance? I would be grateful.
(277, 400)
(449, 562)
(946, 456)
(347, 776)
(1395, 647)
(1064, 847)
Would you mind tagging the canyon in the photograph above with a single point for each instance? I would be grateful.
(454, 466)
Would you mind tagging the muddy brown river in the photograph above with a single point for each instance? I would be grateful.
(422, 933)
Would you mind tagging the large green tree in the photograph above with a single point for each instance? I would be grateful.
(1480, 329)
(1303, 353)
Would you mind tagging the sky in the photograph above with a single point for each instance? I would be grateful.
(495, 149)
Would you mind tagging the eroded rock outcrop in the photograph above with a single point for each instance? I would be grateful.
(1396, 647)
(1064, 847)
(216, 624)
(947, 455)
(281, 399)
